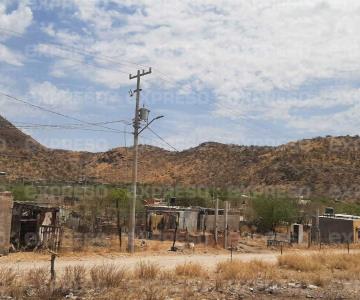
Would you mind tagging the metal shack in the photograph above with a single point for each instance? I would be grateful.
(35, 226)
(338, 228)
(161, 217)
(191, 219)
(6, 204)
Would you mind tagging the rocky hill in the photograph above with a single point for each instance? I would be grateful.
(328, 166)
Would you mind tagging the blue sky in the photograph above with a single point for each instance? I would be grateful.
(235, 71)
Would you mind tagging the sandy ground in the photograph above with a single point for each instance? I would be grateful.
(168, 260)
(26, 261)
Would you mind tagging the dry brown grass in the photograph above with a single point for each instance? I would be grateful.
(10, 285)
(148, 280)
(74, 277)
(37, 278)
(246, 271)
(37, 282)
(7, 276)
(168, 275)
(107, 276)
(146, 270)
(305, 263)
(190, 270)
(320, 268)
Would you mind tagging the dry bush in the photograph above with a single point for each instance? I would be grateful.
(10, 285)
(246, 271)
(168, 275)
(37, 278)
(305, 278)
(152, 292)
(190, 270)
(37, 283)
(7, 276)
(107, 276)
(305, 263)
(219, 283)
(74, 277)
(318, 279)
(342, 261)
(344, 266)
(146, 270)
(320, 268)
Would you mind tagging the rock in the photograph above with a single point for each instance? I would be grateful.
(271, 289)
(312, 287)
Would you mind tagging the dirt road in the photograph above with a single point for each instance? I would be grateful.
(168, 260)
(165, 260)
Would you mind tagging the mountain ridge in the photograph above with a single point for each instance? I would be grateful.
(323, 166)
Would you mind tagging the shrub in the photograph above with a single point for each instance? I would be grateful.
(37, 278)
(107, 276)
(305, 263)
(7, 276)
(146, 270)
(37, 283)
(74, 277)
(246, 271)
(190, 270)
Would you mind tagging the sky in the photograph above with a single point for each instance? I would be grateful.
(246, 72)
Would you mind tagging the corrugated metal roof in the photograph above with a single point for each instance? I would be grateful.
(341, 217)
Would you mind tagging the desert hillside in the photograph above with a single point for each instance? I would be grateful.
(328, 166)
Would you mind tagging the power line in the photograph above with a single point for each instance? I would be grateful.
(62, 128)
(162, 75)
(69, 124)
(162, 139)
(57, 113)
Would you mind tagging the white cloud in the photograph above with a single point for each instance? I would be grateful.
(232, 46)
(244, 51)
(10, 57)
(15, 22)
(18, 20)
(50, 96)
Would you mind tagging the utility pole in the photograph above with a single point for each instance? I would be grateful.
(318, 225)
(216, 220)
(132, 220)
(226, 212)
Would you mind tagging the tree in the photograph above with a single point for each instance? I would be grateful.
(120, 198)
(23, 193)
(270, 211)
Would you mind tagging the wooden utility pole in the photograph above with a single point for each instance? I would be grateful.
(119, 229)
(216, 220)
(318, 226)
(132, 220)
(226, 224)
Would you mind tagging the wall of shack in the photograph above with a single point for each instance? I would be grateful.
(6, 205)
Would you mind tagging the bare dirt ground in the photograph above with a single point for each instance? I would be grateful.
(163, 260)
(267, 279)
(208, 258)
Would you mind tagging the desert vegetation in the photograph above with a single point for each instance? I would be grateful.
(329, 275)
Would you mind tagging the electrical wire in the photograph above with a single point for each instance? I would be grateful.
(162, 139)
(56, 113)
(61, 128)
(62, 47)
(66, 125)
